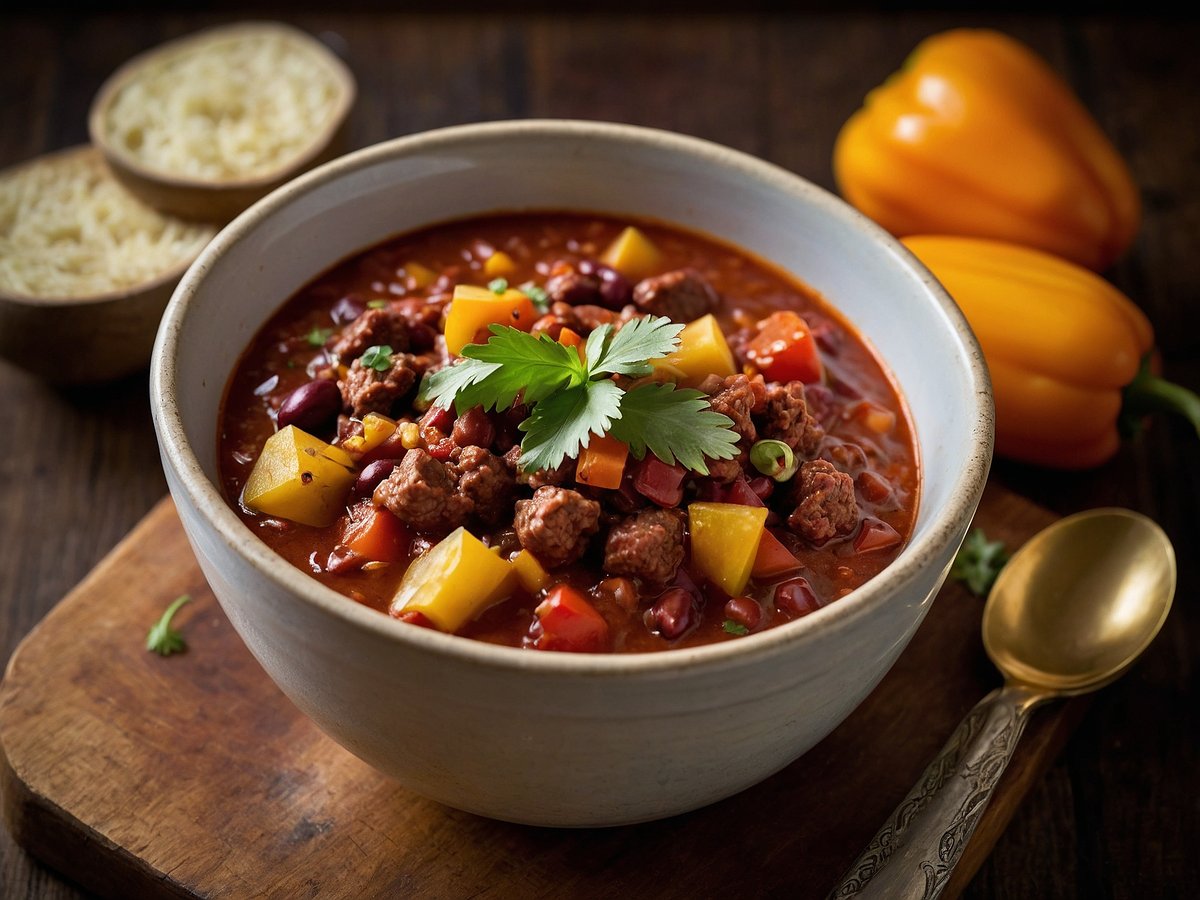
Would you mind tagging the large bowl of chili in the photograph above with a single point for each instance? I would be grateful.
(513, 732)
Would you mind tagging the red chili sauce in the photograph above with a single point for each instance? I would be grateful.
(840, 520)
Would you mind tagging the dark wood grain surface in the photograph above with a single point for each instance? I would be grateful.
(1118, 815)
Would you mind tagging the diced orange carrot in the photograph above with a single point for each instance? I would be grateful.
(602, 463)
(375, 534)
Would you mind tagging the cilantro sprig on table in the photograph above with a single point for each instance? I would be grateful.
(572, 397)
(979, 562)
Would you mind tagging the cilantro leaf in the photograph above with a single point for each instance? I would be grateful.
(445, 385)
(378, 358)
(979, 562)
(731, 627)
(563, 423)
(537, 366)
(627, 351)
(537, 295)
(162, 638)
(318, 336)
(674, 425)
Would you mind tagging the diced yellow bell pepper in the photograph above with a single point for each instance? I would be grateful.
(702, 352)
(724, 538)
(299, 477)
(473, 308)
(632, 254)
(376, 430)
(499, 265)
(530, 572)
(454, 582)
(422, 276)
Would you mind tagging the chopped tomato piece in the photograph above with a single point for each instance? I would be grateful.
(413, 617)
(741, 493)
(785, 350)
(876, 535)
(374, 533)
(658, 482)
(602, 463)
(773, 558)
(567, 622)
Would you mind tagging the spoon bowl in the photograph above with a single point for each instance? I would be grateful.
(1080, 602)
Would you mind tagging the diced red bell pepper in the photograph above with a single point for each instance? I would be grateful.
(568, 622)
(876, 535)
(785, 350)
(773, 558)
(658, 482)
(741, 493)
(416, 617)
(375, 534)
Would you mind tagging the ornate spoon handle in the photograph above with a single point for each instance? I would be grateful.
(915, 851)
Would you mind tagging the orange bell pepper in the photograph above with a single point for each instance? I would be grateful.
(1066, 350)
(976, 135)
(602, 463)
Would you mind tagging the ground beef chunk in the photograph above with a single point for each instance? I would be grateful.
(561, 315)
(648, 545)
(484, 480)
(556, 524)
(736, 396)
(592, 317)
(681, 295)
(542, 477)
(727, 471)
(787, 418)
(367, 390)
(825, 504)
(421, 491)
(374, 328)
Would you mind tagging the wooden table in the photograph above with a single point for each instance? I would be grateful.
(1118, 815)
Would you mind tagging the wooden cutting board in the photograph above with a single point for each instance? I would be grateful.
(192, 776)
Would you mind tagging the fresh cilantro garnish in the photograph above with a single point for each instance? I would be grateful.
(163, 639)
(537, 294)
(376, 304)
(979, 562)
(378, 358)
(318, 336)
(674, 424)
(732, 627)
(572, 398)
(498, 285)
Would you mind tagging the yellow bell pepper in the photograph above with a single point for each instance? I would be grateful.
(632, 254)
(1065, 348)
(454, 582)
(976, 135)
(299, 477)
(724, 539)
(702, 351)
(473, 309)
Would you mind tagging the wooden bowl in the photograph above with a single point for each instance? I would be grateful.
(218, 199)
(87, 338)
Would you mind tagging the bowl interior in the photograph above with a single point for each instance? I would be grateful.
(274, 248)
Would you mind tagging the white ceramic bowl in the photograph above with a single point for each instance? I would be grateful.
(557, 738)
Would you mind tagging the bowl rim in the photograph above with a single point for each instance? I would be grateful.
(157, 282)
(965, 490)
(116, 156)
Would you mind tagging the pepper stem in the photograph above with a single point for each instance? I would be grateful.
(1148, 393)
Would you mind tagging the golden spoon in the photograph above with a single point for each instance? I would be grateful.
(1069, 614)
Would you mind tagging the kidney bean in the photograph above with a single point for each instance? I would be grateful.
(548, 324)
(622, 591)
(762, 486)
(672, 614)
(615, 290)
(573, 288)
(436, 424)
(744, 611)
(421, 338)
(347, 309)
(796, 598)
(372, 474)
(473, 428)
(311, 406)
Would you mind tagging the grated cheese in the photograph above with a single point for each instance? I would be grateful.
(225, 106)
(69, 230)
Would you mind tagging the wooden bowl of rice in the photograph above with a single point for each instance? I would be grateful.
(86, 268)
(203, 126)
